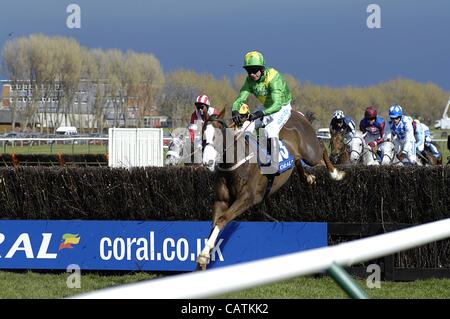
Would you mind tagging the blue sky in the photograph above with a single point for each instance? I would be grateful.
(325, 42)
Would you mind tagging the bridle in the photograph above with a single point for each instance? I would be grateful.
(358, 153)
(179, 143)
(391, 159)
(235, 138)
(345, 147)
(364, 149)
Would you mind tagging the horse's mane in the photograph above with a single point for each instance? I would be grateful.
(359, 134)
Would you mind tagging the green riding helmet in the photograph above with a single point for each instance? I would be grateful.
(253, 58)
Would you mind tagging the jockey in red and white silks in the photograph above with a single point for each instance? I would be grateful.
(203, 109)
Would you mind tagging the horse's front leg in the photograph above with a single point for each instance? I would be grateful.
(204, 257)
(220, 206)
(335, 174)
(222, 216)
(309, 178)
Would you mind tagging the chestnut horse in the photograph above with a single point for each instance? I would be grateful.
(240, 185)
(426, 157)
(339, 150)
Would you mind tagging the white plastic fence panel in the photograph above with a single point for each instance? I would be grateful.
(135, 147)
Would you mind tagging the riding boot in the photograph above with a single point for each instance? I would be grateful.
(273, 150)
(379, 156)
(434, 150)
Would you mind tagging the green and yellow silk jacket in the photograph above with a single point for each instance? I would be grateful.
(271, 90)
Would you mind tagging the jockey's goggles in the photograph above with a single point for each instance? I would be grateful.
(200, 106)
(252, 69)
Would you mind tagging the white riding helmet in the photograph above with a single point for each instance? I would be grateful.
(338, 114)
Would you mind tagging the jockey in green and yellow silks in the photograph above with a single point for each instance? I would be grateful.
(271, 89)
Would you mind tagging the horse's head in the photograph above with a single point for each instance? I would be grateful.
(338, 147)
(356, 145)
(175, 152)
(387, 149)
(212, 129)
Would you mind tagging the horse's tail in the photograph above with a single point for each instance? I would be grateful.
(335, 174)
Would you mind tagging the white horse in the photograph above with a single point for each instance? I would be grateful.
(176, 151)
(360, 152)
(387, 149)
(180, 151)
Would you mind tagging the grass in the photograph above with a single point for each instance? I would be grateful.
(326, 288)
(30, 284)
(15, 285)
(54, 149)
(437, 134)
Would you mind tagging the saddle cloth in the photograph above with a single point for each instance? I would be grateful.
(285, 159)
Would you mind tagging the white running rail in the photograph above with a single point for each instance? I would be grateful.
(246, 275)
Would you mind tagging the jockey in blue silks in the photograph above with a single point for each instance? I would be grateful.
(402, 132)
(423, 138)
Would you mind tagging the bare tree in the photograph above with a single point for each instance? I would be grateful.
(15, 64)
(95, 70)
(176, 99)
(144, 80)
(115, 89)
(43, 76)
(69, 74)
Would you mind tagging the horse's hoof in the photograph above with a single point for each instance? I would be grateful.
(311, 179)
(202, 261)
(202, 267)
(337, 175)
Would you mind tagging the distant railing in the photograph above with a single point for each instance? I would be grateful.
(51, 142)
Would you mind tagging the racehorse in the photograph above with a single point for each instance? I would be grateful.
(387, 149)
(178, 150)
(181, 151)
(353, 151)
(360, 152)
(241, 185)
(339, 149)
(427, 158)
(424, 158)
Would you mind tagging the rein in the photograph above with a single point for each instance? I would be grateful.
(391, 159)
(235, 138)
(232, 168)
(342, 150)
(357, 152)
